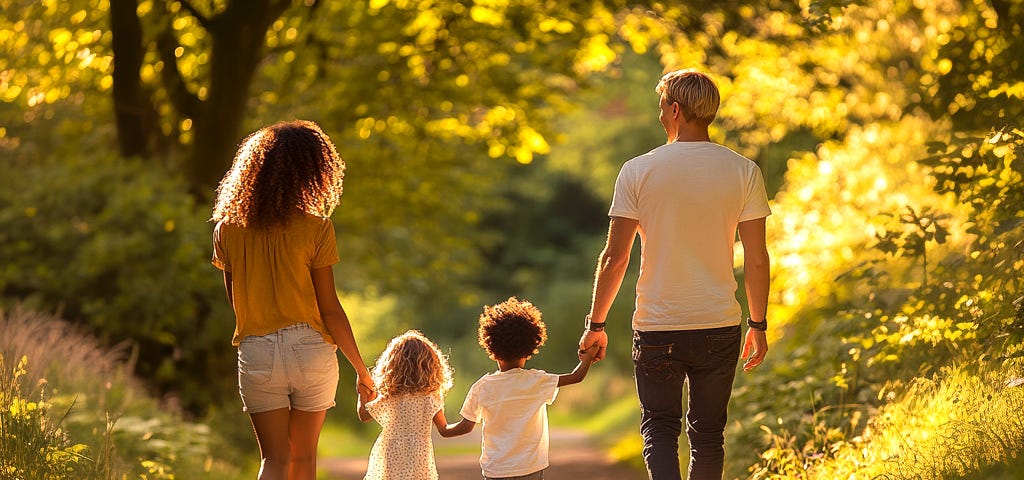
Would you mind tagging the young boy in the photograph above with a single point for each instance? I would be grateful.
(512, 402)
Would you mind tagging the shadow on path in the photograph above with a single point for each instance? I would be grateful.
(572, 457)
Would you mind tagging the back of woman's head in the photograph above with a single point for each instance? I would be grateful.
(280, 170)
(411, 363)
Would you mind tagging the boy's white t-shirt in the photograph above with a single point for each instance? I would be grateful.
(688, 198)
(512, 406)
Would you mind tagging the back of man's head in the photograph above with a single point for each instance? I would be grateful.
(694, 91)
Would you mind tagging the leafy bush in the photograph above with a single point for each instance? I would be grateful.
(120, 246)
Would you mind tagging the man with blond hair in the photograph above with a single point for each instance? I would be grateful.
(687, 199)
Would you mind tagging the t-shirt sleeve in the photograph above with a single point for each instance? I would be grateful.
(549, 387)
(624, 200)
(755, 204)
(220, 258)
(325, 252)
(471, 407)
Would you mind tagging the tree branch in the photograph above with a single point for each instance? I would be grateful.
(205, 22)
(186, 102)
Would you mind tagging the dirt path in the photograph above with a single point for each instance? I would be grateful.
(572, 458)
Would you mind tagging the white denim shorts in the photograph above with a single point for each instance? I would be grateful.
(291, 368)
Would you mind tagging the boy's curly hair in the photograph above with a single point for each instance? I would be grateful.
(280, 170)
(411, 363)
(511, 330)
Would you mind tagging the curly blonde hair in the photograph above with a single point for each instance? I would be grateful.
(511, 330)
(412, 363)
(279, 171)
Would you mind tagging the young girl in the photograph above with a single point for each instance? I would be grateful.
(276, 245)
(412, 377)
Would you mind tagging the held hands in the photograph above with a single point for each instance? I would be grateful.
(366, 393)
(755, 347)
(587, 357)
(594, 339)
(365, 388)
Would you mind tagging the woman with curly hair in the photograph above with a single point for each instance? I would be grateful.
(412, 377)
(275, 243)
(512, 402)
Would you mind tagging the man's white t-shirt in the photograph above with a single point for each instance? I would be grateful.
(512, 405)
(688, 198)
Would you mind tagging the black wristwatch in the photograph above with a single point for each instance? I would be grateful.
(594, 326)
(762, 325)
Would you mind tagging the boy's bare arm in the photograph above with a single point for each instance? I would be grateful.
(580, 372)
(447, 431)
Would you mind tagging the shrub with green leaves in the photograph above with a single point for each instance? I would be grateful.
(120, 246)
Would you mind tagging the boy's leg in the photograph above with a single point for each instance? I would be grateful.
(710, 386)
(659, 384)
(272, 435)
(304, 434)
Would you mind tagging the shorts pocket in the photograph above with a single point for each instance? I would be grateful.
(255, 360)
(653, 361)
(724, 347)
(316, 358)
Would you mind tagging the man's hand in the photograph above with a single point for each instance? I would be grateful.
(587, 356)
(755, 347)
(590, 339)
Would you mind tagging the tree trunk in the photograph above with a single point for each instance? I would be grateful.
(132, 110)
(237, 47)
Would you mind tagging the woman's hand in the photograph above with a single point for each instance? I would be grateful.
(365, 386)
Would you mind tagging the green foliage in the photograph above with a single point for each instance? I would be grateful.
(120, 246)
(87, 405)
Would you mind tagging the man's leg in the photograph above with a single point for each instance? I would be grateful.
(659, 384)
(710, 386)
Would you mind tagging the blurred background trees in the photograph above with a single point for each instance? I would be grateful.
(483, 139)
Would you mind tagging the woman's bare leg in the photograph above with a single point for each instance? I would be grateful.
(304, 434)
(272, 434)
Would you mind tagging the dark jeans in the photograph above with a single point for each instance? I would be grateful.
(663, 362)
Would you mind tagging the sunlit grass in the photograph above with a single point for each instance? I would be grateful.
(955, 425)
(96, 413)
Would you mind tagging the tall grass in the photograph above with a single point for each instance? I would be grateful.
(32, 444)
(88, 416)
(958, 424)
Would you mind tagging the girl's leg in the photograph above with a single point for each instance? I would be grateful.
(272, 434)
(304, 434)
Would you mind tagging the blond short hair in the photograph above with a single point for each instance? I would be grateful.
(694, 91)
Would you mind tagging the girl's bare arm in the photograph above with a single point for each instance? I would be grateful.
(447, 431)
